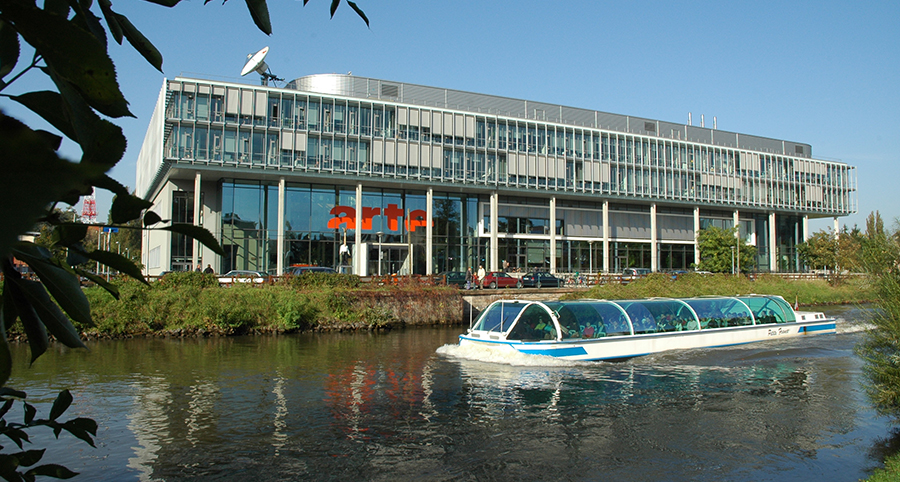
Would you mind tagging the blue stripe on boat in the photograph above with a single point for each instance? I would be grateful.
(830, 326)
(573, 351)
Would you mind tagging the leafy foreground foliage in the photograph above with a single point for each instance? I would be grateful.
(806, 292)
(69, 42)
(12, 464)
(879, 255)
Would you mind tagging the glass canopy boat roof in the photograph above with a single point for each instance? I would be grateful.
(527, 321)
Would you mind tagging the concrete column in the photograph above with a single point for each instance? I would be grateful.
(837, 228)
(696, 234)
(553, 234)
(805, 228)
(606, 232)
(429, 232)
(495, 250)
(773, 256)
(358, 266)
(196, 259)
(654, 240)
(280, 242)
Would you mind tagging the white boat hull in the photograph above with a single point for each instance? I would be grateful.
(620, 347)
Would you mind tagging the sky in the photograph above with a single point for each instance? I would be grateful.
(818, 72)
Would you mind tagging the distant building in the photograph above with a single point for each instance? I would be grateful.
(428, 179)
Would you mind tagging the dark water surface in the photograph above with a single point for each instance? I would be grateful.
(394, 407)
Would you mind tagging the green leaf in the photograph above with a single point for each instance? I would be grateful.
(9, 49)
(30, 457)
(49, 314)
(85, 19)
(58, 7)
(34, 176)
(71, 52)
(30, 412)
(9, 392)
(5, 408)
(165, 3)
(200, 234)
(151, 218)
(259, 11)
(102, 142)
(111, 21)
(8, 465)
(359, 12)
(111, 185)
(109, 287)
(127, 207)
(117, 262)
(140, 43)
(48, 105)
(334, 6)
(62, 284)
(69, 234)
(31, 323)
(82, 428)
(61, 404)
(17, 435)
(52, 470)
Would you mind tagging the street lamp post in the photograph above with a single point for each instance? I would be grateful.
(732, 260)
(380, 235)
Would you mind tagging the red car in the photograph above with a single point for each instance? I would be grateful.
(499, 279)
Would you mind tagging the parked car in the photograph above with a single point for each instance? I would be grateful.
(243, 276)
(635, 273)
(298, 270)
(499, 279)
(454, 278)
(542, 280)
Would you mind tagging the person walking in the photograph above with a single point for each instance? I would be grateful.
(469, 276)
(480, 281)
(209, 270)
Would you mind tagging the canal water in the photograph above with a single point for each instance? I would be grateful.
(409, 405)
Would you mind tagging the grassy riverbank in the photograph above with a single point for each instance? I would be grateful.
(806, 292)
(190, 304)
(193, 304)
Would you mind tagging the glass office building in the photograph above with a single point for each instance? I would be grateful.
(371, 176)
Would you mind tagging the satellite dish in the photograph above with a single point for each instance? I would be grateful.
(256, 63)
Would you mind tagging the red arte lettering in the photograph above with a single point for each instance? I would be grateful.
(346, 216)
(393, 214)
(348, 219)
(367, 215)
(416, 219)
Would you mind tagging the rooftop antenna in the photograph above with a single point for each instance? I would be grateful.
(256, 63)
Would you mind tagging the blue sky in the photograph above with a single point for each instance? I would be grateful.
(823, 73)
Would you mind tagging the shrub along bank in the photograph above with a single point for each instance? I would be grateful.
(188, 304)
(806, 292)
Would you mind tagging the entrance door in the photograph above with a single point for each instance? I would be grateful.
(394, 259)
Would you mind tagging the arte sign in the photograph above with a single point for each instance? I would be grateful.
(346, 216)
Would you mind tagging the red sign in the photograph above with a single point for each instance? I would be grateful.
(346, 216)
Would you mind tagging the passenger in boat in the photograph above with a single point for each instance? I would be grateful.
(617, 326)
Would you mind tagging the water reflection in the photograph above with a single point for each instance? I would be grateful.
(389, 407)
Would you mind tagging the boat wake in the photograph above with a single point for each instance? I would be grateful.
(507, 357)
(846, 327)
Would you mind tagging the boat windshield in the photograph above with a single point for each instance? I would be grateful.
(499, 317)
(769, 309)
(534, 324)
(721, 312)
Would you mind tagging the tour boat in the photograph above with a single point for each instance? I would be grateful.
(618, 329)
